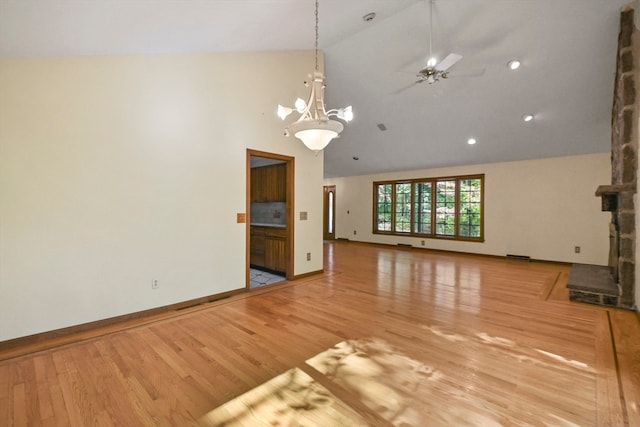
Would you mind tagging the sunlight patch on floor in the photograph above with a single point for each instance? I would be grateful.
(448, 336)
(400, 389)
(290, 399)
(395, 387)
(573, 363)
(487, 339)
(385, 380)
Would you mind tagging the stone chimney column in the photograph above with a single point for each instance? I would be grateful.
(624, 152)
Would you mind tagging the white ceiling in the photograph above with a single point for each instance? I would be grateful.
(567, 49)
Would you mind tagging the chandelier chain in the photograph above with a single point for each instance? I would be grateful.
(430, 28)
(317, 22)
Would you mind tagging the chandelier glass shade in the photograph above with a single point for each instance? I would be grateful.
(315, 126)
(316, 134)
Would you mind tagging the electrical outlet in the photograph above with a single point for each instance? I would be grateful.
(354, 232)
(155, 284)
(577, 249)
(422, 242)
(308, 256)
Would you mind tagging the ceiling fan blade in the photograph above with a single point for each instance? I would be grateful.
(469, 73)
(402, 89)
(448, 62)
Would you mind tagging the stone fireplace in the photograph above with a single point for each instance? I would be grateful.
(618, 199)
(615, 284)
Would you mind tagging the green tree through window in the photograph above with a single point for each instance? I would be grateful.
(470, 207)
(446, 207)
(384, 207)
(422, 197)
(403, 208)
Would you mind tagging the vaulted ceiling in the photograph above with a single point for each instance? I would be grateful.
(566, 47)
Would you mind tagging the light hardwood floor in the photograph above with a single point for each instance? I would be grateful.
(385, 336)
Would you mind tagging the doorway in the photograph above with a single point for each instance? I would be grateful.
(269, 224)
(329, 217)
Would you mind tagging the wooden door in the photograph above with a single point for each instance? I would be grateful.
(329, 232)
(280, 254)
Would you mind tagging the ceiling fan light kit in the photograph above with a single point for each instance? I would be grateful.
(514, 64)
(314, 127)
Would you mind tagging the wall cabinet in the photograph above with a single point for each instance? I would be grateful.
(269, 183)
(269, 248)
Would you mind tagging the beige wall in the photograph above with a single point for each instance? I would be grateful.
(539, 208)
(118, 170)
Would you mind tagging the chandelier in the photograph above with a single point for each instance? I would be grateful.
(314, 127)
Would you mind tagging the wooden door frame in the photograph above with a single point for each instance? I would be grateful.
(326, 190)
(290, 162)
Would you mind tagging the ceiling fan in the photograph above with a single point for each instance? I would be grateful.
(434, 71)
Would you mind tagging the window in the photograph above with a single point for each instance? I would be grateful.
(383, 208)
(470, 207)
(403, 207)
(446, 207)
(450, 207)
(422, 207)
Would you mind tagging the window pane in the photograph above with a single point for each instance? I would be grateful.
(330, 219)
(470, 208)
(446, 207)
(384, 207)
(403, 208)
(422, 208)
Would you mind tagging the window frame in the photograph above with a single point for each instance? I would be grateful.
(433, 200)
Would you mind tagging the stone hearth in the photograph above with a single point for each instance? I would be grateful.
(593, 284)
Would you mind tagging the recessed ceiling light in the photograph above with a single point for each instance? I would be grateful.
(471, 141)
(381, 126)
(369, 17)
(527, 117)
(513, 65)
(356, 158)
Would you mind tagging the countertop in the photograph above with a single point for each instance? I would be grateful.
(261, 224)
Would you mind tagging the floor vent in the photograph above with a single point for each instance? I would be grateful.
(342, 239)
(519, 257)
(187, 306)
(405, 246)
